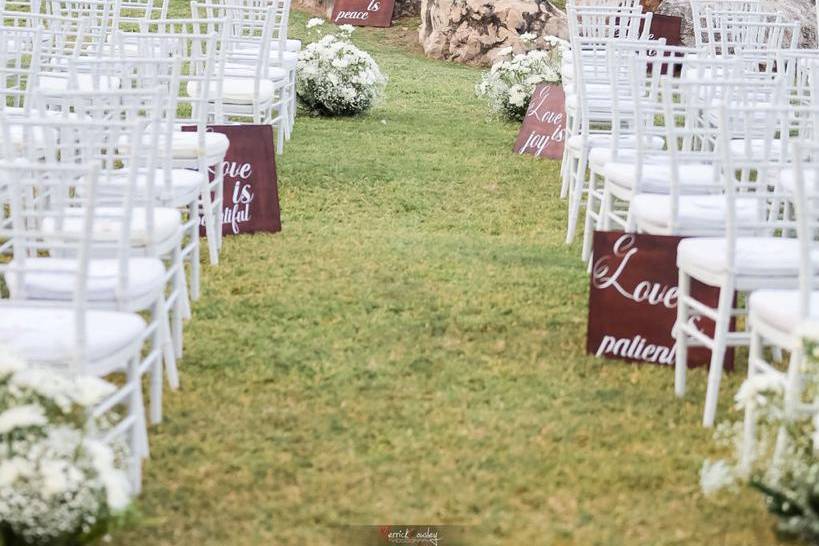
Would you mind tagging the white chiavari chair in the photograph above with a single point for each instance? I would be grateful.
(775, 316)
(71, 338)
(131, 276)
(636, 69)
(197, 41)
(252, 90)
(589, 104)
(751, 255)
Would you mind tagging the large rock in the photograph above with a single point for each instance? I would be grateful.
(803, 11)
(475, 31)
(403, 8)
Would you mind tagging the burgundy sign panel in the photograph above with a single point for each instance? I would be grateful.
(633, 301)
(251, 193)
(543, 133)
(363, 13)
(668, 27)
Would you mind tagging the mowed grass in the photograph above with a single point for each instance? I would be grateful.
(410, 349)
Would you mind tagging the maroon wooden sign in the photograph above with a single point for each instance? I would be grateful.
(251, 193)
(544, 128)
(363, 13)
(668, 27)
(633, 301)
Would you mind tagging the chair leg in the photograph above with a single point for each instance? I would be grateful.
(181, 299)
(168, 349)
(603, 217)
(793, 394)
(196, 265)
(746, 459)
(136, 409)
(576, 196)
(210, 229)
(681, 357)
(218, 205)
(588, 228)
(567, 169)
(722, 327)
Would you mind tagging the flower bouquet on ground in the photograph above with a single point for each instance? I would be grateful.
(783, 466)
(508, 86)
(334, 77)
(59, 486)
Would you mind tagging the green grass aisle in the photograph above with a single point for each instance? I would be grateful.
(410, 350)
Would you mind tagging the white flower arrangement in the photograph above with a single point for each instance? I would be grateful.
(784, 465)
(508, 86)
(336, 78)
(58, 485)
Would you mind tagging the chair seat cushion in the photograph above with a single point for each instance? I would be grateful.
(274, 73)
(787, 181)
(695, 178)
(756, 147)
(54, 279)
(48, 335)
(183, 182)
(604, 141)
(107, 227)
(186, 145)
(238, 91)
(781, 308)
(84, 82)
(695, 213)
(755, 256)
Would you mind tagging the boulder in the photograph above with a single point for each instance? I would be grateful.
(403, 8)
(476, 31)
(803, 11)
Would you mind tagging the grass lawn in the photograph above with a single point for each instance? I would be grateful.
(411, 350)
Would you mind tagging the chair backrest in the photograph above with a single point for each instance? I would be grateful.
(628, 23)
(755, 33)
(26, 186)
(32, 6)
(805, 154)
(160, 75)
(119, 130)
(604, 3)
(19, 57)
(703, 11)
(135, 14)
(752, 173)
(98, 16)
(247, 40)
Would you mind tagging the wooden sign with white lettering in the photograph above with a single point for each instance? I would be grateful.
(633, 301)
(544, 128)
(363, 13)
(250, 198)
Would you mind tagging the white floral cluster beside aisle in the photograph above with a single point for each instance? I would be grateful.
(336, 78)
(508, 86)
(718, 144)
(105, 151)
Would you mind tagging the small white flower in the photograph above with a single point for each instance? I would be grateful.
(754, 390)
(715, 476)
(10, 363)
(89, 390)
(12, 469)
(314, 22)
(347, 29)
(528, 37)
(55, 481)
(30, 415)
